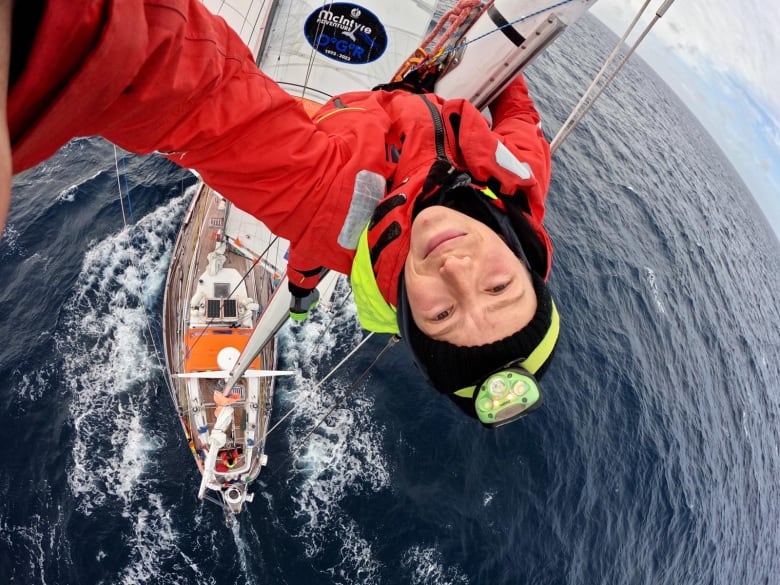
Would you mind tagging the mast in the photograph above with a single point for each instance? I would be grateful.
(272, 319)
(274, 316)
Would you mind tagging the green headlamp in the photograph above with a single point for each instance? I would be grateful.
(505, 396)
(512, 391)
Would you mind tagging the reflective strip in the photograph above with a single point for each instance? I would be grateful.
(538, 357)
(508, 161)
(374, 312)
(542, 352)
(336, 111)
(488, 192)
(368, 192)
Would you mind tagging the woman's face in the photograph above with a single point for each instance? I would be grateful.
(464, 284)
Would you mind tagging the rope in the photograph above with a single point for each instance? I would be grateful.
(453, 18)
(427, 59)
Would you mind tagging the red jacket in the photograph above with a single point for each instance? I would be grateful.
(513, 157)
(167, 76)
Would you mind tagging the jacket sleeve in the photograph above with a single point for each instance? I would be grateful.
(167, 76)
(518, 126)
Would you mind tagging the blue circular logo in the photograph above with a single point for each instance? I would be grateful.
(346, 32)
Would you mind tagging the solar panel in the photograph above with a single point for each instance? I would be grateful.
(229, 308)
(212, 309)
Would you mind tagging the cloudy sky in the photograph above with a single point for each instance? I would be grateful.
(723, 58)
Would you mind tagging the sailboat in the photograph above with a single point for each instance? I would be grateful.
(226, 294)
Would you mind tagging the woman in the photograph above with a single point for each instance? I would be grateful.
(436, 215)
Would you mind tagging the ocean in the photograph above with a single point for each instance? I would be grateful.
(654, 460)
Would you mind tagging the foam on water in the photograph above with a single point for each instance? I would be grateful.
(153, 542)
(426, 567)
(358, 564)
(247, 546)
(344, 455)
(112, 373)
(68, 194)
(36, 543)
(33, 539)
(653, 284)
(9, 244)
(202, 579)
(33, 385)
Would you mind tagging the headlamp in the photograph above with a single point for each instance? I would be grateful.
(505, 396)
(512, 391)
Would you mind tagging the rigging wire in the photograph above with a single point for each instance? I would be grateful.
(303, 398)
(390, 343)
(235, 288)
(119, 186)
(312, 52)
(458, 46)
(587, 101)
(154, 335)
(607, 62)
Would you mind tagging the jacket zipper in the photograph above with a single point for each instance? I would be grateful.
(438, 128)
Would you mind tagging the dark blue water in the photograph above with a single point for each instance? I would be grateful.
(655, 459)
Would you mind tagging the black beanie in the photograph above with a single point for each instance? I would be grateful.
(451, 367)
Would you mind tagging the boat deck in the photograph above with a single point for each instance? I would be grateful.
(199, 340)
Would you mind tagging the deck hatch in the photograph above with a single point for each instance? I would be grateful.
(221, 290)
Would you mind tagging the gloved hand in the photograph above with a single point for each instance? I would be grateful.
(301, 306)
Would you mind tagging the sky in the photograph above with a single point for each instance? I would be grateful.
(722, 57)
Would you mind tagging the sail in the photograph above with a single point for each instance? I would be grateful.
(251, 236)
(318, 49)
(248, 18)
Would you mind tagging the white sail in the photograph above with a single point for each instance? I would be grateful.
(287, 55)
(251, 236)
(248, 18)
